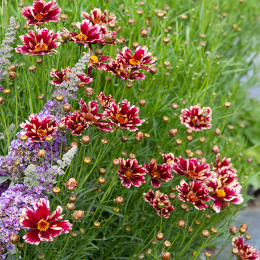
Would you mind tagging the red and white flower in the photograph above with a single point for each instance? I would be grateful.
(105, 101)
(76, 123)
(224, 163)
(246, 252)
(88, 34)
(131, 173)
(195, 193)
(158, 173)
(160, 202)
(141, 59)
(90, 113)
(169, 159)
(196, 118)
(223, 194)
(97, 17)
(192, 169)
(44, 226)
(39, 128)
(98, 62)
(124, 115)
(41, 12)
(118, 68)
(62, 76)
(108, 37)
(40, 42)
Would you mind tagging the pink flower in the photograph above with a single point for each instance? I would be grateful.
(124, 115)
(158, 173)
(41, 12)
(195, 193)
(105, 101)
(44, 226)
(91, 115)
(76, 123)
(221, 194)
(108, 37)
(136, 75)
(160, 202)
(224, 163)
(62, 76)
(98, 62)
(246, 252)
(192, 169)
(196, 118)
(169, 159)
(97, 17)
(41, 42)
(88, 34)
(131, 173)
(38, 129)
(140, 59)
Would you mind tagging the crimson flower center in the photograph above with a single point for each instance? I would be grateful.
(155, 174)
(122, 119)
(134, 61)
(41, 47)
(82, 37)
(192, 197)
(94, 59)
(128, 174)
(221, 193)
(41, 132)
(43, 225)
(39, 17)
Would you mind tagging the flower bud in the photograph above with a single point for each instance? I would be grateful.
(101, 180)
(205, 233)
(142, 102)
(235, 251)
(42, 154)
(32, 68)
(71, 184)
(78, 215)
(20, 245)
(153, 70)
(14, 238)
(73, 144)
(87, 160)
(2, 100)
(64, 17)
(116, 163)
(67, 107)
(85, 139)
(104, 141)
(208, 254)
(62, 126)
(119, 200)
(160, 236)
(89, 92)
(12, 75)
(7, 91)
(181, 224)
(11, 68)
(72, 198)
(167, 243)
(166, 255)
(173, 132)
(139, 136)
(23, 138)
(124, 139)
(56, 190)
(70, 206)
(39, 61)
(41, 256)
(96, 224)
(102, 171)
(135, 45)
(49, 139)
(233, 230)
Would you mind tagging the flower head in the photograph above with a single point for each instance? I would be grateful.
(91, 115)
(97, 17)
(40, 42)
(105, 101)
(160, 202)
(246, 252)
(224, 163)
(39, 128)
(196, 118)
(98, 62)
(76, 123)
(124, 115)
(141, 59)
(41, 12)
(169, 159)
(88, 34)
(158, 173)
(192, 169)
(118, 68)
(195, 193)
(44, 226)
(131, 173)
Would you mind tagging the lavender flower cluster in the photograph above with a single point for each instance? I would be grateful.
(12, 202)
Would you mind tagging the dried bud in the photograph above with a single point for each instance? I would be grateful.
(11, 68)
(42, 154)
(85, 139)
(233, 230)
(119, 200)
(73, 144)
(12, 75)
(144, 33)
(109, 37)
(160, 236)
(190, 229)
(78, 215)
(14, 238)
(99, 52)
(131, 21)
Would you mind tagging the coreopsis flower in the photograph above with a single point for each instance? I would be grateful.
(141, 59)
(196, 118)
(76, 123)
(44, 226)
(39, 128)
(136, 75)
(124, 115)
(118, 68)
(97, 17)
(192, 169)
(158, 172)
(246, 252)
(61, 76)
(223, 193)
(160, 202)
(169, 159)
(224, 163)
(41, 12)
(41, 42)
(91, 115)
(98, 62)
(105, 101)
(195, 193)
(108, 37)
(88, 34)
(131, 173)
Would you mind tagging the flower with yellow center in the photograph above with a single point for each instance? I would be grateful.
(221, 193)
(39, 17)
(43, 225)
(155, 174)
(128, 174)
(82, 37)
(122, 119)
(41, 132)
(134, 61)
(94, 59)
(41, 47)
(96, 20)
